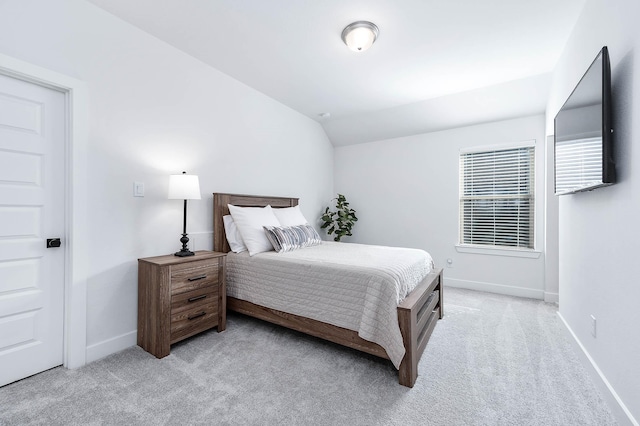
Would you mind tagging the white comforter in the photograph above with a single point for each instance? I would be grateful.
(354, 286)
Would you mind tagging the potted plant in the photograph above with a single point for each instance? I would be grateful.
(341, 221)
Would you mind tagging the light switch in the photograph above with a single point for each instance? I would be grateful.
(138, 189)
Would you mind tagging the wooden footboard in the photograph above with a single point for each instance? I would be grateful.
(418, 314)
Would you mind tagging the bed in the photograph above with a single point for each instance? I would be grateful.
(417, 313)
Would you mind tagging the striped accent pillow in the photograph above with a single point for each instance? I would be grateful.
(287, 238)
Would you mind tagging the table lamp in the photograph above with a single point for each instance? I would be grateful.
(184, 187)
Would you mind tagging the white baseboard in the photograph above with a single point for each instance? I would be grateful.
(551, 297)
(111, 346)
(617, 406)
(494, 288)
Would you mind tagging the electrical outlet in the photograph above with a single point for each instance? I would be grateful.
(449, 263)
(593, 326)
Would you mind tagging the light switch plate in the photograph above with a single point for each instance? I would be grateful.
(138, 189)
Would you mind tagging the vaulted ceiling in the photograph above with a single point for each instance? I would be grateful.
(437, 64)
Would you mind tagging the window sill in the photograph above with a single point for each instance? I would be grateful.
(498, 251)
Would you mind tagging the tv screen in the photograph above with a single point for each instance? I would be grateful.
(583, 150)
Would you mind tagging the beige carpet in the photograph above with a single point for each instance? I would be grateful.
(493, 360)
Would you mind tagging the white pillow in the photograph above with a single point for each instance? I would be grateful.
(233, 236)
(249, 221)
(290, 216)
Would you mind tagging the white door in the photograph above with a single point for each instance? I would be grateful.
(32, 162)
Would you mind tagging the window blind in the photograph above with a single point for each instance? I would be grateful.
(497, 198)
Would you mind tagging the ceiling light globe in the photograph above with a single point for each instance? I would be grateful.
(360, 35)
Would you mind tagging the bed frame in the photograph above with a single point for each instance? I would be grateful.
(418, 313)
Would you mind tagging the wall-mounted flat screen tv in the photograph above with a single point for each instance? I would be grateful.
(583, 149)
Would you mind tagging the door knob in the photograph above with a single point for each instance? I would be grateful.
(53, 242)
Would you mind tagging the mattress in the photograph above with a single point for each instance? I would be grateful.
(354, 286)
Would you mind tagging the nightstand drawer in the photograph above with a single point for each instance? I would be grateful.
(193, 275)
(190, 299)
(194, 320)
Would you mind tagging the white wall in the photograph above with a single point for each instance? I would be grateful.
(599, 231)
(155, 111)
(405, 192)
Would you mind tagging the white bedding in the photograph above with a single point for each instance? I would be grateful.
(354, 286)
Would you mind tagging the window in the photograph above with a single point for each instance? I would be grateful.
(497, 197)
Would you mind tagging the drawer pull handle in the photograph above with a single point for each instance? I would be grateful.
(193, 299)
(198, 315)
(199, 277)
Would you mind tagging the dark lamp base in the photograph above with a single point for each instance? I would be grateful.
(184, 252)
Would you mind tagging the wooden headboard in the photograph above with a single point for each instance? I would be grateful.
(220, 202)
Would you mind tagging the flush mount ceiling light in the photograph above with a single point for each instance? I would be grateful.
(360, 35)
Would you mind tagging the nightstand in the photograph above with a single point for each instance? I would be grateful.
(179, 297)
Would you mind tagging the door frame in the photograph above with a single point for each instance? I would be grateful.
(75, 188)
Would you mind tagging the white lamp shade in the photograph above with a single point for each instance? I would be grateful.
(184, 187)
(360, 35)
